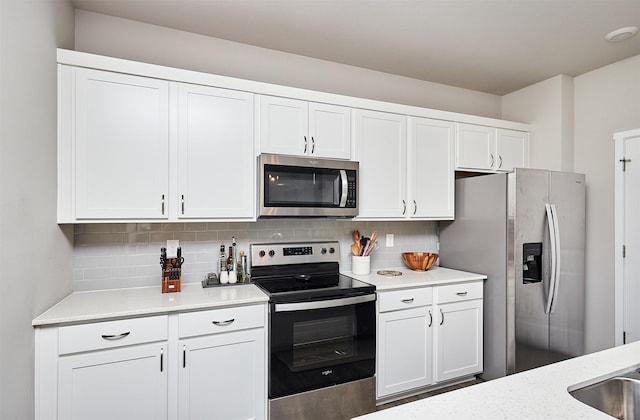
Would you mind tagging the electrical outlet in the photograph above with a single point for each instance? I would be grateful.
(389, 240)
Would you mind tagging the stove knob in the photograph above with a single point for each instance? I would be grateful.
(323, 251)
(332, 250)
(261, 253)
(272, 253)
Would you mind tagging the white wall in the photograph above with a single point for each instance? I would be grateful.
(607, 100)
(37, 254)
(548, 107)
(121, 38)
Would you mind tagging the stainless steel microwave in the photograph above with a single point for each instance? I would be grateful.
(307, 187)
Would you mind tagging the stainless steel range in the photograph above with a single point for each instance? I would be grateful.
(321, 332)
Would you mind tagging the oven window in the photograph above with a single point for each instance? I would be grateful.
(324, 340)
(301, 187)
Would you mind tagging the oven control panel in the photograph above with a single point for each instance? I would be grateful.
(294, 253)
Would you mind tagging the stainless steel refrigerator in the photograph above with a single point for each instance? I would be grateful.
(526, 231)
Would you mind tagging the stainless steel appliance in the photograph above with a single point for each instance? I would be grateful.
(307, 186)
(321, 332)
(526, 231)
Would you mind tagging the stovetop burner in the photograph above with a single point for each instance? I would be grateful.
(294, 272)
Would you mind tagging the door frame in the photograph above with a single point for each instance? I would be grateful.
(619, 139)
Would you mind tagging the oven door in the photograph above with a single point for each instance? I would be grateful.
(322, 343)
(291, 186)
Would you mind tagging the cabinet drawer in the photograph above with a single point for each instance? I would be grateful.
(220, 320)
(109, 334)
(458, 292)
(404, 299)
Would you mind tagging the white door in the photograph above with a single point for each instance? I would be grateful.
(330, 131)
(284, 126)
(121, 146)
(405, 350)
(458, 339)
(381, 149)
(215, 153)
(431, 175)
(627, 236)
(122, 383)
(222, 376)
(512, 150)
(475, 146)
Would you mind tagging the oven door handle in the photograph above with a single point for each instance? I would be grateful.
(322, 304)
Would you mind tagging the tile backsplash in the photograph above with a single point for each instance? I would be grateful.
(108, 256)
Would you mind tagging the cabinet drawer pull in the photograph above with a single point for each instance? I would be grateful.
(442, 315)
(492, 161)
(115, 336)
(461, 293)
(163, 204)
(182, 201)
(430, 318)
(499, 161)
(404, 207)
(223, 323)
(313, 145)
(161, 359)
(407, 300)
(415, 207)
(305, 145)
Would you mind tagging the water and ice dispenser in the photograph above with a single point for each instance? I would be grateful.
(532, 262)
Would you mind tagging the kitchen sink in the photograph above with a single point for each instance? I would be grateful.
(618, 396)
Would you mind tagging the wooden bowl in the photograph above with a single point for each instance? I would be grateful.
(419, 261)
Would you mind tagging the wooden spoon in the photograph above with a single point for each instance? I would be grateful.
(356, 236)
(355, 250)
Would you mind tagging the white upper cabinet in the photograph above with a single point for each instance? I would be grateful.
(300, 128)
(120, 143)
(431, 176)
(404, 176)
(490, 149)
(215, 153)
(381, 148)
(512, 149)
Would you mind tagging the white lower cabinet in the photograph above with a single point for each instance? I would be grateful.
(145, 368)
(458, 335)
(428, 336)
(122, 383)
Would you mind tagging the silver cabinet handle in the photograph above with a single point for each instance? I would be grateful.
(442, 315)
(407, 300)
(492, 161)
(461, 293)
(430, 318)
(115, 336)
(161, 359)
(305, 144)
(223, 323)
(184, 356)
(182, 203)
(163, 204)
(313, 145)
(404, 207)
(499, 161)
(415, 207)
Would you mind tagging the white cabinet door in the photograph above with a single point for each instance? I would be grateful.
(216, 169)
(431, 178)
(458, 339)
(330, 131)
(300, 128)
(120, 145)
(284, 126)
(404, 350)
(512, 150)
(122, 383)
(475, 146)
(222, 376)
(381, 148)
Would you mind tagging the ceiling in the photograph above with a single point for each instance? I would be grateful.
(492, 46)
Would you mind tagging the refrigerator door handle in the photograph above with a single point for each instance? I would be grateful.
(556, 228)
(552, 241)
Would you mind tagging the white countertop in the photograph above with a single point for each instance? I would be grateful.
(432, 277)
(535, 394)
(120, 303)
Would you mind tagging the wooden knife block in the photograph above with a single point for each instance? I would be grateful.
(171, 277)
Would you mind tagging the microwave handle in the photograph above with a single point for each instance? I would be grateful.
(345, 188)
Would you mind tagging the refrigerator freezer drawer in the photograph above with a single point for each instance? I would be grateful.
(458, 292)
